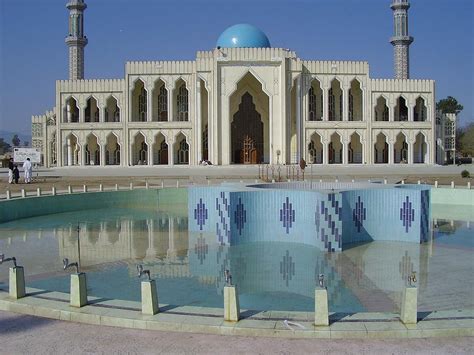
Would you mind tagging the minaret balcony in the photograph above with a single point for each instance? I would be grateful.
(401, 40)
(76, 41)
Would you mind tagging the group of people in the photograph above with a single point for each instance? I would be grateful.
(14, 173)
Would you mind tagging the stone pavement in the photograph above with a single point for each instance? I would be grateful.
(22, 334)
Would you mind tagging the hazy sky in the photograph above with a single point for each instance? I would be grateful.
(33, 53)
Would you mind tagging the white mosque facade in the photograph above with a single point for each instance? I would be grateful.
(242, 102)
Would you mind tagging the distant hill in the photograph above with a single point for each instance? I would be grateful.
(7, 137)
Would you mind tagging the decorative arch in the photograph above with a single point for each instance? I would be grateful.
(160, 101)
(335, 109)
(139, 149)
(92, 150)
(420, 109)
(381, 149)
(139, 101)
(91, 112)
(355, 101)
(112, 149)
(420, 149)
(71, 110)
(400, 148)
(381, 111)
(249, 122)
(355, 149)
(315, 101)
(316, 149)
(335, 148)
(255, 75)
(72, 150)
(112, 109)
(160, 149)
(181, 100)
(181, 149)
(401, 109)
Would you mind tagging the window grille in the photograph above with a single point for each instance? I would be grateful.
(312, 105)
(142, 105)
(163, 104)
(182, 103)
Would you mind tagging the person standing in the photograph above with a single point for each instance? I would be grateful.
(27, 170)
(10, 171)
(16, 174)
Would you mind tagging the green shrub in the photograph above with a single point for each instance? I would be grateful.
(465, 174)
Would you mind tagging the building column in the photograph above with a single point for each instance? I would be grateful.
(345, 151)
(151, 250)
(149, 103)
(198, 135)
(390, 152)
(130, 152)
(69, 151)
(171, 152)
(298, 119)
(150, 153)
(171, 252)
(82, 155)
(102, 148)
(410, 151)
(170, 103)
(325, 152)
(325, 103)
(345, 103)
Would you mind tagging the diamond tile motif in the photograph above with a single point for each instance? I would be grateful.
(287, 215)
(200, 214)
(407, 214)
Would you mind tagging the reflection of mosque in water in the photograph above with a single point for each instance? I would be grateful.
(160, 242)
(375, 272)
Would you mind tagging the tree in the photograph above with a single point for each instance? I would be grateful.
(449, 105)
(15, 140)
(467, 141)
(4, 146)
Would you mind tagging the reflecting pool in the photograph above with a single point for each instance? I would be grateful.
(189, 266)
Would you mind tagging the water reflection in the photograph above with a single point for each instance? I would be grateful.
(270, 275)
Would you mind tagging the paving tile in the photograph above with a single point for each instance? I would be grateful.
(260, 324)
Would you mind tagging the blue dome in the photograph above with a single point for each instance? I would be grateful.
(243, 36)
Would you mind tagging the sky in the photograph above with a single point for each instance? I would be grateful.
(33, 53)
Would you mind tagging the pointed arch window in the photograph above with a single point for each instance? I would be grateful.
(163, 104)
(142, 105)
(332, 107)
(311, 105)
(182, 103)
(351, 106)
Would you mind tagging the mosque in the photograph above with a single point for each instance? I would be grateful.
(243, 102)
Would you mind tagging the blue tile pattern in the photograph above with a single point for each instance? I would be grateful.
(359, 214)
(223, 223)
(425, 216)
(287, 268)
(200, 214)
(287, 215)
(240, 216)
(407, 214)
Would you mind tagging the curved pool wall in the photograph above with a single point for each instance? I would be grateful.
(14, 209)
(329, 216)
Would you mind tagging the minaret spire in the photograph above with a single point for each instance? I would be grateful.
(401, 40)
(76, 40)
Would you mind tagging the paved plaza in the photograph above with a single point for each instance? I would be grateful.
(46, 336)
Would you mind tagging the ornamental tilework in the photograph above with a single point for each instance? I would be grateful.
(201, 249)
(223, 222)
(240, 216)
(287, 215)
(407, 214)
(359, 214)
(425, 216)
(200, 214)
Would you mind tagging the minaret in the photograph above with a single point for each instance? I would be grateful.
(401, 40)
(76, 40)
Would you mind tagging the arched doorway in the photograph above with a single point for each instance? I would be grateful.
(247, 133)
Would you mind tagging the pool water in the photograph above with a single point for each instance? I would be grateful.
(189, 267)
